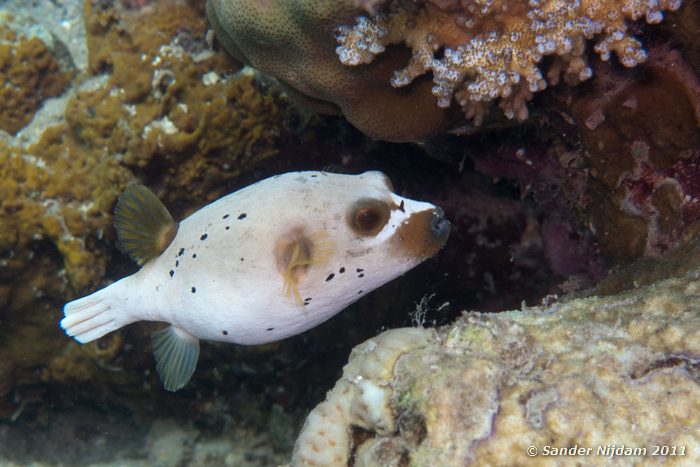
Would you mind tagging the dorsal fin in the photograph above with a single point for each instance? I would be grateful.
(144, 226)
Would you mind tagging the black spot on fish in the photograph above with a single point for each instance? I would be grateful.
(172, 273)
(341, 270)
(193, 290)
(242, 216)
(270, 329)
(359, 270)
(181, 252)
(330, 276)
(226, 215)
(307, 301)
(360, 275)
(194, 255)
(177, 263)
(359, 292)
(401, 207)
(203, 237)
(225, 332)
(241, 259)
(314, 176)
(227, 227)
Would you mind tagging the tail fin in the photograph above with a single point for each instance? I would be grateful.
(91, 317)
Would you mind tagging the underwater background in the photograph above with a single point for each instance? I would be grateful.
(589, 180)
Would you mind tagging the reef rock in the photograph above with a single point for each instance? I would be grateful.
(641, 146)
(607, 376)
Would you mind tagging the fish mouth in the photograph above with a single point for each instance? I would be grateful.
(439, 226)
(423, 234)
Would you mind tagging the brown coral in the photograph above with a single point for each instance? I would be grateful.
(294, 42)
(161, 107)
(171, 102)
(476, 51)
(30, 73)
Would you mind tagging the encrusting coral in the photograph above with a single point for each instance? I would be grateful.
(395, 73)
(159, 106)
(30, 73)
(170, 101)
(604, 374)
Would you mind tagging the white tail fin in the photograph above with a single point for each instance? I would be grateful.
(91, 317)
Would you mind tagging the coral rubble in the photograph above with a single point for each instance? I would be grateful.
(595, 373)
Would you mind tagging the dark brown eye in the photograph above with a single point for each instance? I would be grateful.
(367, 219)
(368, 216)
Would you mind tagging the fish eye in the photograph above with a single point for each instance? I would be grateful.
(368, 216)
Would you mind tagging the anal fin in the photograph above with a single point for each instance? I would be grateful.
(176, 353)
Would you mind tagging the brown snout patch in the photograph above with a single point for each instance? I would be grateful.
(415, 237)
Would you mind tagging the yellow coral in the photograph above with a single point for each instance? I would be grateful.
(162, 106)
(30, 73)
(485, 50)
(61, 193)
(170, 102)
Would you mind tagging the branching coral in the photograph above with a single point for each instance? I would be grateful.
(479, 51)
(398, 57)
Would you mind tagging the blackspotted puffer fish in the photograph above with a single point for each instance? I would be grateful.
(269, 261)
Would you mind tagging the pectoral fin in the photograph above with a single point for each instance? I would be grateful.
(144, 226)
(296, 253)
(176, 353)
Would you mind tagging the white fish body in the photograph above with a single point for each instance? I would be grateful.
(230, 273)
